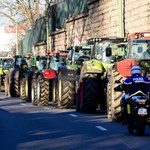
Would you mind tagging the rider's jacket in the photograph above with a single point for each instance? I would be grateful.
(136, 83)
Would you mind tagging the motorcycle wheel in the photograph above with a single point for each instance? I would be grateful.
(140, 126)
(130, 128)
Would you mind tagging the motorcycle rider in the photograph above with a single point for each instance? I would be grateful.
(132, 84)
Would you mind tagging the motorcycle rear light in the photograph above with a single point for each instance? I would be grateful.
(141, 103)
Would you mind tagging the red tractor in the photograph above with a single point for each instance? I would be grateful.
(137, 46)
(42, 83)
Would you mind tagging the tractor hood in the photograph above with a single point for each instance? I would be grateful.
(94, 66)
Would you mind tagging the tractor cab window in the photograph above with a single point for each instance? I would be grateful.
(8, 63)
(83, 55)
(42, 64)
(109, 51)
(18, 61)
(140, 49)
(29, 62)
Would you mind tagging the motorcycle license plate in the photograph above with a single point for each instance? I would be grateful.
(142, 111)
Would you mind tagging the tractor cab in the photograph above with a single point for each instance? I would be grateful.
(139, 46)
(22, 61)
(138, 49)
(79, 54)
(109, 49)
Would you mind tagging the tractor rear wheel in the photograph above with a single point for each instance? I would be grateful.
(23, 89)
(0, 82)
(14, 84)
(88, 93)
(43, 91)
(34, 92)
(7, 85)
(114, 97)
(54, 94)
(66, 93)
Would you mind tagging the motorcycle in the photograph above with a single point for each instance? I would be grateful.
(136, 111)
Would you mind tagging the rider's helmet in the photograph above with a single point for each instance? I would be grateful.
(136, 70)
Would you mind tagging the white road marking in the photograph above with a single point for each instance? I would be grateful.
(47, 108)
(23, 104)
(73, 115)
(101, 128)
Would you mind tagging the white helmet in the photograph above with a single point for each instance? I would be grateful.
(136, 70)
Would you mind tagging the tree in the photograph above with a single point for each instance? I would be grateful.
(23, 12)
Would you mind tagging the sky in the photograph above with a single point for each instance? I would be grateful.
(6, 39)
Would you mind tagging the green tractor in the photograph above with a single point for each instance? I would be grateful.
(91, 85)
(15, 75)
(65, 81)
(5, 65)
(40, 64)
(42, 83)
(26, 79)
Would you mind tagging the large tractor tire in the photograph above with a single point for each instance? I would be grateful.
(54, 94)
(7, 85)
(66, 93)
(114, 97)
(14, 84)
(0, 82)
(23, 89)
(88, 93)
(34, 91)
(43, 91)
(77, 99)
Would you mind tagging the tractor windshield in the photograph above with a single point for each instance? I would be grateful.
(82, 55)
(18, 61)
(116, 51)
(8, 63)
(55, 63)
(42, 63)
(140, 49)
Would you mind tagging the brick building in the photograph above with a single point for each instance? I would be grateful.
(74, 21)
(104, 18)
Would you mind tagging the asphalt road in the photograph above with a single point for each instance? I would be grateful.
(27, 127)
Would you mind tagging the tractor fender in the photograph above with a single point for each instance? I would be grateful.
(68, 74)
(124, 66)
(49, 73)
(1, 71)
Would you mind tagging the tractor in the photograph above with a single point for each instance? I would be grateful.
(65, 81)
(137, 44)
(42, 83)
(19, 71)
(6, 63)
(91, 83)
